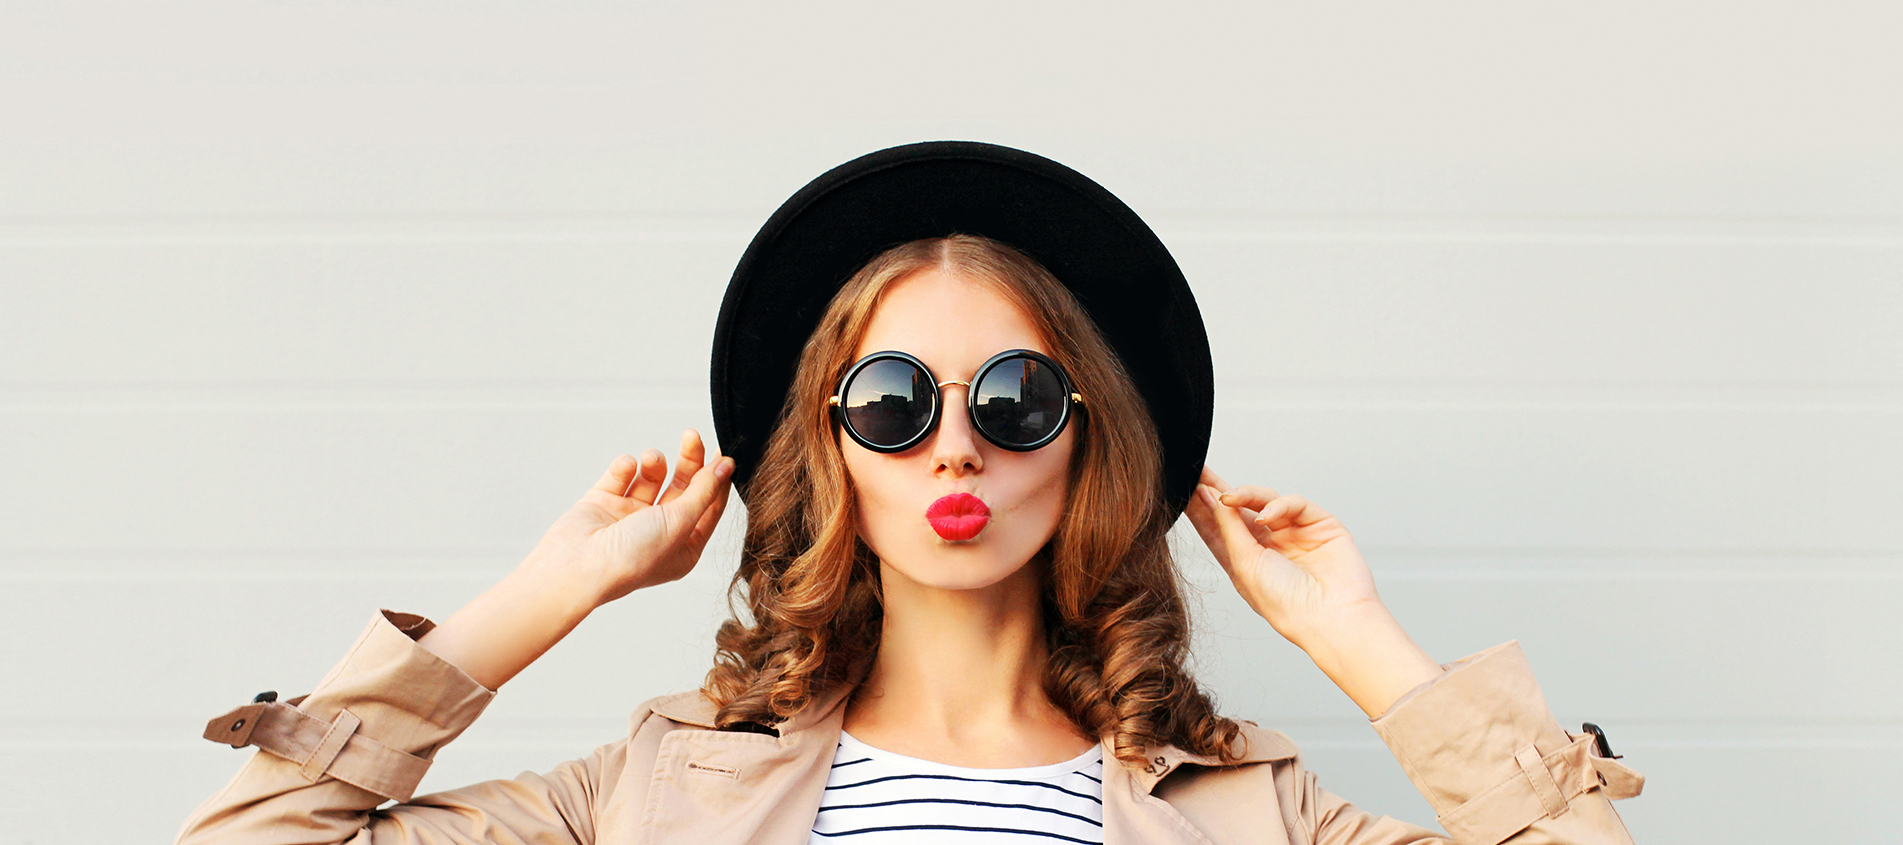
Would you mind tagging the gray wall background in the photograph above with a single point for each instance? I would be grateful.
(1585, 318)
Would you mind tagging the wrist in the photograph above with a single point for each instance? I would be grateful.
(1336, 629)
(502, 631)
(1367, 653)
(549, 579)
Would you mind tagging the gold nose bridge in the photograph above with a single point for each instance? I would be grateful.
(833, 401)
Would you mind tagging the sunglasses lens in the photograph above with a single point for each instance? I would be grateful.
(889, 402)
(1020, 401)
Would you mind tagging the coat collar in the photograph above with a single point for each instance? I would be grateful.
(1257, 745)
(693, 708)
(687, 708)
(1254, 744)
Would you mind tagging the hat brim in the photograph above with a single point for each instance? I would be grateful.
(1089, 240)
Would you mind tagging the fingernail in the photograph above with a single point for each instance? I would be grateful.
(723, 469)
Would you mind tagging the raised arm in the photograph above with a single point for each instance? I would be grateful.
(1296, 566)
(626, 533)
(1475, 736)
(368, 731)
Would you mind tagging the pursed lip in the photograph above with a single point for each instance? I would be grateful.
(959, 516)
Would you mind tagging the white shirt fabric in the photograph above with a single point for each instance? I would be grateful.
(875, 797)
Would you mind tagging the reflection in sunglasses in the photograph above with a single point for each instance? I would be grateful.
(890, 401)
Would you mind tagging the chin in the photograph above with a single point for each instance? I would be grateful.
(963, 565)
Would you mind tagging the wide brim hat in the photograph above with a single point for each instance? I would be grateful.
(1087, 238)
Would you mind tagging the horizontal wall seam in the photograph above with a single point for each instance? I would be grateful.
(330, 574)
(739, 237)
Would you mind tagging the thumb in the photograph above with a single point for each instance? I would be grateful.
(1230, 528)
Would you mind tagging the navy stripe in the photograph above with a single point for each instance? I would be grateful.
(956, 827)
(1085, 819)
(1079, 774)
(862, 760)
(966, 780)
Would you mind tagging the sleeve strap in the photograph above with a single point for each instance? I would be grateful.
(1541, 789)
(321, 748)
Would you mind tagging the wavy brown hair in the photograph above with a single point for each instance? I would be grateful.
(1115, 625)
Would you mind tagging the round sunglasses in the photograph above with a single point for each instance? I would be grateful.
(889, 401)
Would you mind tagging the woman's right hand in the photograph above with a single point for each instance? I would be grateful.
(626, 533)
(629, 532)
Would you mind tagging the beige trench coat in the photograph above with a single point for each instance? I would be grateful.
(1478, 741)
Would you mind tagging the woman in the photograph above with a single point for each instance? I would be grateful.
(963, 621)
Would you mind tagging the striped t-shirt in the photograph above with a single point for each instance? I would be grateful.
(875, 797)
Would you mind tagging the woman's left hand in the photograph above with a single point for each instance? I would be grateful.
(1293, 562)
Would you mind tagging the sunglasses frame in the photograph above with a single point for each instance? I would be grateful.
(837, 402)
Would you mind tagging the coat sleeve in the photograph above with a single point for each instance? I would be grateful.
(364, 736)
(1480, 744)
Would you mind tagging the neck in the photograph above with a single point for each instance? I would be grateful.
(959, 677)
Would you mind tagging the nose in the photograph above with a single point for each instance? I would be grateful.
(955, 445)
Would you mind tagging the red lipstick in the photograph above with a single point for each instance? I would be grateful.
(959, 516)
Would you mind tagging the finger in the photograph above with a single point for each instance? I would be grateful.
(1251, 496)
(1274, 514)
(705, 498)
(1210, 478)
(693, 456)
(1202, 511)
(710, 518)
(1249, 499)
(615, 481)
(1202, 515)
(1232, 534)
(647, 483)
(1292, 511)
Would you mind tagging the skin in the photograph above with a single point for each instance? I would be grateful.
(957, 677)
(1299, 569)
(628, 532)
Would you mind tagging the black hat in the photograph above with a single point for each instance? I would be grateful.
(1093, 243)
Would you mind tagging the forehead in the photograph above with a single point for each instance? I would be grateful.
(934, 314)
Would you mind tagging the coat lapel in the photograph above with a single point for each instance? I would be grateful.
(1178, 797)
(1132, 815)
(713, 787)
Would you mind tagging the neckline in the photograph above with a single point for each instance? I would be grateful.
(853, 745)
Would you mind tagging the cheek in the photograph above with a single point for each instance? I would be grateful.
(1047, 489)
(870, 491)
